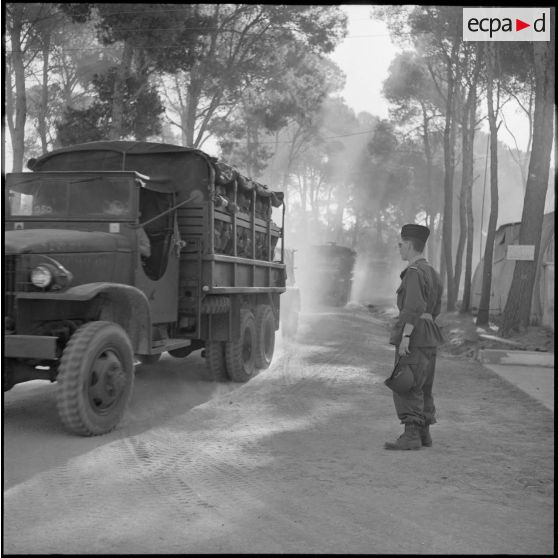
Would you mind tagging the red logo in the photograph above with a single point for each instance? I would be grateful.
(519, 25)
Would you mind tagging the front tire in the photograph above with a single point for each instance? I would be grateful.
(240, 354)
(95, 379)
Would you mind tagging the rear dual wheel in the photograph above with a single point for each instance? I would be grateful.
(215, 360)
(239, 360)
(265, 334)
(240, 355)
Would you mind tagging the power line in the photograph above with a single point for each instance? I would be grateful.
(326, 138)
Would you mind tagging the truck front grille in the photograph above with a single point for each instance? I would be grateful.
(9, 284)
(14, 282)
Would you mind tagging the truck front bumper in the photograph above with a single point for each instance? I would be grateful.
(41, 347)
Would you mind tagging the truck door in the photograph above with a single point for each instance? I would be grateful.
(157, 272)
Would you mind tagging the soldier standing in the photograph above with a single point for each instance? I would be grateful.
(416, 336)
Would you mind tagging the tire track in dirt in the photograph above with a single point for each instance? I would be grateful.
(182, 477)
(305, 361)
(282, 464)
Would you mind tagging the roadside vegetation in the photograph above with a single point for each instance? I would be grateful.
(256, 80)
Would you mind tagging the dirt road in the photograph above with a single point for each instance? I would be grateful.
(292, 461)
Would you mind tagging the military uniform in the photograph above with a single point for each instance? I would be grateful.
(419, 300)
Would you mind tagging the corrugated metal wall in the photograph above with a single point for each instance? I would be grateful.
(542, 311)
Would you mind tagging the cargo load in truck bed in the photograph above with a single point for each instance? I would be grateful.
(190, 174)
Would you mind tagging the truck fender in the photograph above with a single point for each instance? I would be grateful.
(127, 307)
(124, 305)
(130, 309)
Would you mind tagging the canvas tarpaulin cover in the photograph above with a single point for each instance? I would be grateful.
(170, 168)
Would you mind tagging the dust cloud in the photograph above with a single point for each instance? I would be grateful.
(373, 279)
(366, 277)
(313, 224)
(376, 278)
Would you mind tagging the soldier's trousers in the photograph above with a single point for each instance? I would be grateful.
(417, 406)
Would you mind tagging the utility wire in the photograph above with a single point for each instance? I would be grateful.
(325, 138)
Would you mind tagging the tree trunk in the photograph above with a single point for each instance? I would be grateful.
(116, 130)
(18, 136)
(530, 136)
(428, 157)
(10, 108)
(467, 279)
(192, 100)
(484, 304)
(465, 209)
(462, 228)
(465, 182)
(517, 311)
(472, 109)
(442, 266)
(43, 109)
(448, 180)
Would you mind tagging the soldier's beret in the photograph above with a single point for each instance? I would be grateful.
(415, 231)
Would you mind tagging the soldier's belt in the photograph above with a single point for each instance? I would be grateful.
(427, 316)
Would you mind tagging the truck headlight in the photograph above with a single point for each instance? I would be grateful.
(42, 276)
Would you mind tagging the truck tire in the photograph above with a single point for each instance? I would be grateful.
(240, 354)
(265, 336)
(95, 378)
(215, 360)
(149, 359)
(215, 305)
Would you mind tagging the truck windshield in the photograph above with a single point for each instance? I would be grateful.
(70, 197)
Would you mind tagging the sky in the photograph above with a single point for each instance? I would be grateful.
(365, 55)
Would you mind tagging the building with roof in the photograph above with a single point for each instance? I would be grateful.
(542, 307)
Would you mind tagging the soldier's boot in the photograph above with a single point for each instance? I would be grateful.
(425, 438)
(409, 440)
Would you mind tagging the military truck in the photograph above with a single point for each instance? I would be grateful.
(118, 251)
(331, 268)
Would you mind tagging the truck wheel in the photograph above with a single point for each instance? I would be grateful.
(240, 354)
(265, 335)
(215, 360)
(95, 378)
(149, 359)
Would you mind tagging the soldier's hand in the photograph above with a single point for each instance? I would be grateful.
(404, 346)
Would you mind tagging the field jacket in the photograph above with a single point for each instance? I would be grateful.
(419, 300)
